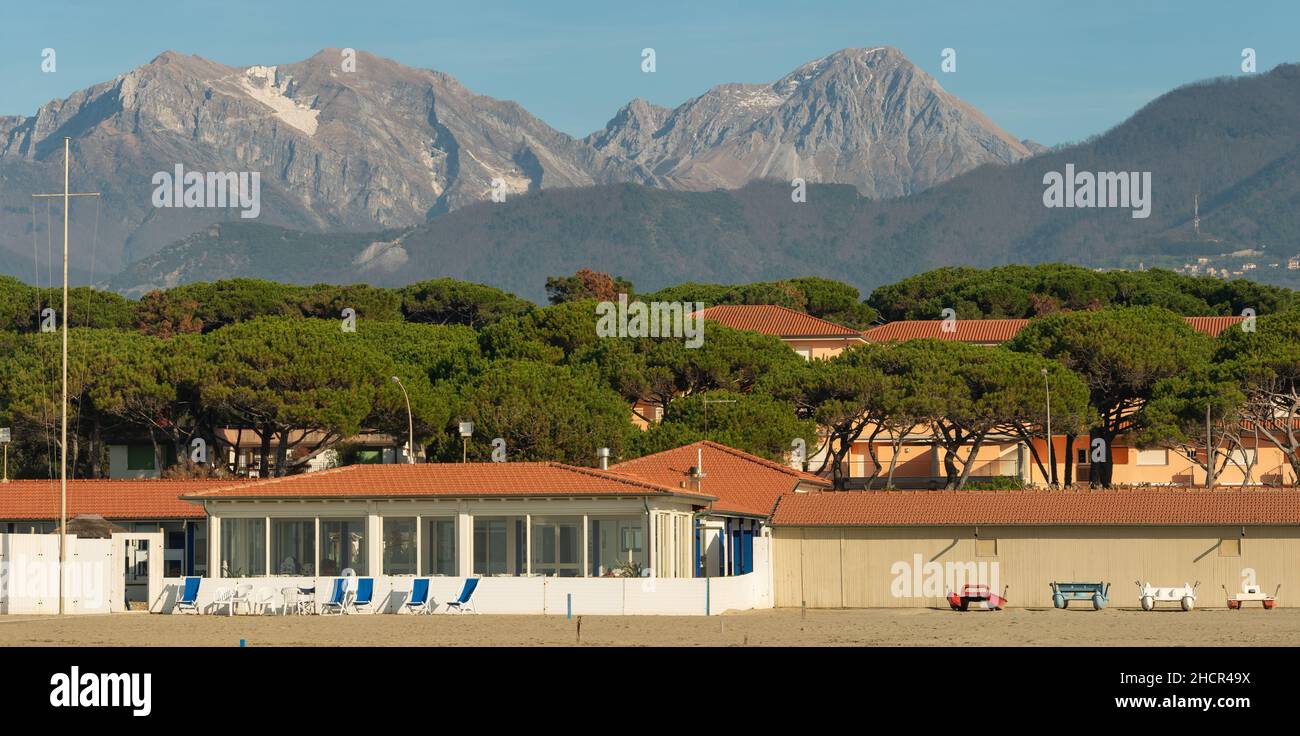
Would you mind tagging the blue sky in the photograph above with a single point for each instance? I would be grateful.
(1052, 71)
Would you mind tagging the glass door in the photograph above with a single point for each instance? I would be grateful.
(557, 548)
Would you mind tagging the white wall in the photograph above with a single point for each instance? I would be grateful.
(117, 465)
(535, 595)
(29, 574)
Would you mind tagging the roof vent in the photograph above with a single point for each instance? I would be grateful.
(603, 456)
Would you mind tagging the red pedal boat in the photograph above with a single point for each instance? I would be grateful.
(973, 593)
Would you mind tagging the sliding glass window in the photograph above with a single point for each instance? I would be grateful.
(399, 545)
(440, 546)
(243, 547)
(293, 546)
(343, 546)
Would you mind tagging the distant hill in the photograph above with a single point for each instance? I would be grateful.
(386, 145)
(1233, 142)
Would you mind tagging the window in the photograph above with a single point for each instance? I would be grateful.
(1242, 458)
(343, 546)
(1230, 547)
(440, 547)
(1156, 456)
(805, 353)
(293, 546)
(986, 547)
(140, 457)
(1083, 456)
(399, 546)
(370, 457)
(617, 543)
(556, 549)
(243, 548)
(489, 546)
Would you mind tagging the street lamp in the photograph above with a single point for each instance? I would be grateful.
(410, 423)
(466, 431)
(1051, 454)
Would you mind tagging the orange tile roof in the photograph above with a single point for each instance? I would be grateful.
(32, 500)
(1213, 326)
(994, 331)
(771, 319)
(1127, 507)
(449, 480)
(963, 330)
(743, 483)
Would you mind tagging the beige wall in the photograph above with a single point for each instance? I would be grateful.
(854, 567)
(820, 348)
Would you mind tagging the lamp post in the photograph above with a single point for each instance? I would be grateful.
(466, 431)
(410, 423)
(1051, 454)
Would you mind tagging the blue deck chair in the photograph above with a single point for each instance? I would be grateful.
(364, 597)
(419, 601)
(189, 600)
(463, 604)
(336, 596)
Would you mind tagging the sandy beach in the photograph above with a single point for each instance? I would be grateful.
(781, 627)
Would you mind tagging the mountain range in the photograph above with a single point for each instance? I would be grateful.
(387, 146)
(1229, 148)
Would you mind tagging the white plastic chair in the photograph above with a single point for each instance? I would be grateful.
(225, 597)
(264, 600)
(289, 600)
(243, 595)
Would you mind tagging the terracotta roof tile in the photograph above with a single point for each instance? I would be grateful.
(1135, 507)
(743, 483)
(963, 330)
(448, 479)
(32, 500)
(994, 331)
(1213, 326)
(771, 319)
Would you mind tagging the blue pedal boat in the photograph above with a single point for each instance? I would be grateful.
(1063, 593)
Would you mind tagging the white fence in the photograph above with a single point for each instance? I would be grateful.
(526, 595)
(519, 595)
(29, 574)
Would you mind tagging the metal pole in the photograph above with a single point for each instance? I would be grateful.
(410, 423)
(1209, 450)
(66, 196)
(63, 450)
(1051, 455)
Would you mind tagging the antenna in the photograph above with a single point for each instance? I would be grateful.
(1196, 215)
(66, 195)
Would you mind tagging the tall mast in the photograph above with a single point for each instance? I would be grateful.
(67, 196)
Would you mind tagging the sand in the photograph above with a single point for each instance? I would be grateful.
(781, 627)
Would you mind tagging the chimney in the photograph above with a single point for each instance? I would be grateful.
(603, 455)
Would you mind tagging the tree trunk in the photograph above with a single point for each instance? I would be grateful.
(1069, 460)
(264, 467)
(950, 470)
(96, 466)
(282, 455)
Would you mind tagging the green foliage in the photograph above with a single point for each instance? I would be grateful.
(833, 301)
(756, 423)
(1030, 291)
(543, 412)
(447, 301)
(586, 284)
